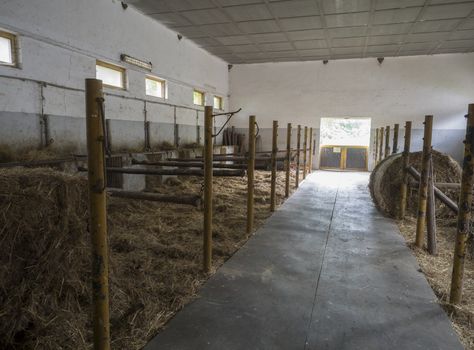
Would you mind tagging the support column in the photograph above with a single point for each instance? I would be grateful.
(423, 190)
(98, 214)
(381, 144)
(310, 165)
(298, 151)
(208, 154)
(387, 141)
(395, 139)
(251, 174)
(305, 150)
(288, 160)
(274, 166)
(464, 214)
(376, 151)
(405, 164)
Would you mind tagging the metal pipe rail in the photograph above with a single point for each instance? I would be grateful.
(194, 200)
(183, 172)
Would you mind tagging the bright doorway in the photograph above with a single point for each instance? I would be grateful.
(344, 143)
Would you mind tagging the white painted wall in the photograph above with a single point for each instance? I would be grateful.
(400, 89)
(60, 41)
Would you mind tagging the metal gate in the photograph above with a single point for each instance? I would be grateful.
(344, 157)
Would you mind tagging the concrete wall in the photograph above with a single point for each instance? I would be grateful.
(59, 43)
(400, 89)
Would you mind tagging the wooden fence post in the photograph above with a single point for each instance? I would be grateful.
(431, 211)
(305, 150)
(298, 151)
(95, 125)
(274, 166)
(310, 162)
(423, 190)
(251, 174)
(387, 141)
(464, 213)
(381, 144)
(395, 138)
(208, 154)
(405, 164)
(376, 152)
(288, 160)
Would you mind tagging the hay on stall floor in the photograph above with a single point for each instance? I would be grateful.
(437, 270)
(155, 259)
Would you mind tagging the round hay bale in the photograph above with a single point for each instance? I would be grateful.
(387, 176)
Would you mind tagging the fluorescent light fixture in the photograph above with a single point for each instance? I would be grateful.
(136, 62)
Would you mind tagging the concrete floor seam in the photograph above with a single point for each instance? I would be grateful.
(320, 270)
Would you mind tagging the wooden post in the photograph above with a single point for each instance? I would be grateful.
(251, 174)
(387, 141)
(288, 160)
(298, 151)
(376, 152)
(395, 139)
(431, 212)
(464, 213)
(310, 165)
(423, 191)
(208, 154)
(274, 166)
(98, 214)
(381, 144)
(405, 163)
(305, 150)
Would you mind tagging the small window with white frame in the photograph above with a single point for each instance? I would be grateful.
(198, 98)
(155, 86)
(218, 103)
(110, 74)
(8, 43)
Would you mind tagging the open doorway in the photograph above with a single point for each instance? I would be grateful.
(344, 143)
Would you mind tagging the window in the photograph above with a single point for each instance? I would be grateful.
(111, 75)
(218, 104)
(198, 98)
(7, 49)
(155, 87)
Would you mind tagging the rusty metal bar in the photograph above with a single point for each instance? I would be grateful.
(288, 160)
(431, 212)
(438, 193)
(208, 150)
(194, 200)
(387, 141)
(395, 138)
(274, 166)
(298, 153)
(464, 215)
(98, 215)
(251, 174)
(182, 172)
(310, 165)
(305, 147)
(423, 191)
(197, 164)
(405, 162)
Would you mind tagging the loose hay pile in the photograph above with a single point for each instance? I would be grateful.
(386, 178)
(155, 259)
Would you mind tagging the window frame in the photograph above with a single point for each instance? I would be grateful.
(221, 102)
(203, 94)
(164, 86)
(117, 68)
(13, 47)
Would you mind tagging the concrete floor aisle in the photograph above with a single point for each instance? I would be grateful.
(326, 271)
